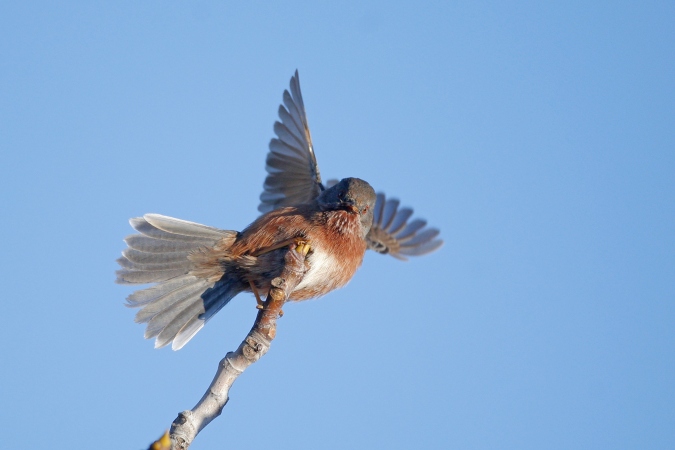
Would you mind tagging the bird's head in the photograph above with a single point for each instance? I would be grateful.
(353, 195)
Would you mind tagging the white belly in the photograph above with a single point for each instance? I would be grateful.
(322, 270)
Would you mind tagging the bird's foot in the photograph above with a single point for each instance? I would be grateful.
(260, 304)
(302, 246)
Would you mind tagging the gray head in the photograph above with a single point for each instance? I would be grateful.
(353, 195)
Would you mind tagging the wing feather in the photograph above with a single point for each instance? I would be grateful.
(391, 233)
(388, 212)
(293, 176)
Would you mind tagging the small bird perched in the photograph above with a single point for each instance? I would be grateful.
(199, 269)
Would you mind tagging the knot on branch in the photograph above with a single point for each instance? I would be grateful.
(254, 348)
(278, 283)
(183, 431)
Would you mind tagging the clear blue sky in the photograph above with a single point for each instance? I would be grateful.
(539, 138)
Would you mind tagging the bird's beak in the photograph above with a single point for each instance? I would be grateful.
(351, 208)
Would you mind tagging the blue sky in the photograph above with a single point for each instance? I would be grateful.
(538, 137)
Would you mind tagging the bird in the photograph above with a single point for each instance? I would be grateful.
(197, 269)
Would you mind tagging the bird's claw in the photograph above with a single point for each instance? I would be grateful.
(302, 247)
(258, 300)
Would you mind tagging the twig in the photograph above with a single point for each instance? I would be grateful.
(189, 423)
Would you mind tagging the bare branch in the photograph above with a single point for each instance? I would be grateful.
(189, 423)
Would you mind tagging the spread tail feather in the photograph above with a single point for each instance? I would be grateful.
(179, 305)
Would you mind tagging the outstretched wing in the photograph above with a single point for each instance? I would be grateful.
(292, 172)
(293, 178)
(392, 233)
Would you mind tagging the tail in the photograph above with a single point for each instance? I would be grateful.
(179, 305)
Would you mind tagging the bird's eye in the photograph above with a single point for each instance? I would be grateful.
(365, 209)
